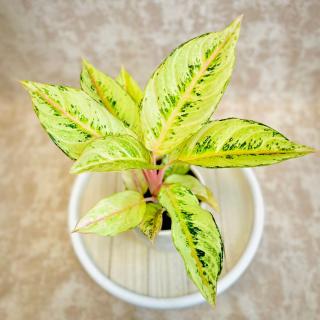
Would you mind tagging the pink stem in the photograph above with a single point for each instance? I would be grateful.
(158, 182)
(146, 176)
(160, 175)
(150, 179)
(154, 177)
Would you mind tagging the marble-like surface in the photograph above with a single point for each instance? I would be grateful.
(276, 81)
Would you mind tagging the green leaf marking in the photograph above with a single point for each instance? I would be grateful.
(176, 168)
(196, 237)
(235, 142)
(108, 92)
(197, 188)
(186, 88)
(152, 220)
(71, 118)
(113, 153)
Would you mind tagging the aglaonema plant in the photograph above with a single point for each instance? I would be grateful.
(153, 137)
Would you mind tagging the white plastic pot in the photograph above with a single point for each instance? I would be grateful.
(164, 242)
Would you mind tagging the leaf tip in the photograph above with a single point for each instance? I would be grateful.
(316, 151)
(80, 226)
(76, 228)
(239, 18)
(86, 63)
(25, 84)
(235, 25)
(313, 150)
(122, 69)
(307, 150)
(213, 304)
(74, 170)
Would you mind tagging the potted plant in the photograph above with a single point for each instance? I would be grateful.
(153, 137)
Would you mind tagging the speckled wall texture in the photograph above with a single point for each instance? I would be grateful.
(276, 81)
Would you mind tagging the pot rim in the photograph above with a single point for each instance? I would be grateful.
(175, 302)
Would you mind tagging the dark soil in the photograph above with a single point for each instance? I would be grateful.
(147, 194)
(166, 221)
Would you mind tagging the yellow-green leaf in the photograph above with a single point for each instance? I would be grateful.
(186, 88)
(113, 153)
(134, 180)
(238, 143)
(130, 85)
(210, 199)
(177, 168)
(108, 92)
(196, 237)
(71, 118)
(119, 212)
(152, 220)
(197, 188)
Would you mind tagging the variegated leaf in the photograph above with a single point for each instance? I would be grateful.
(113, 153)
(134, 180)
(238, 143)
(197, 188)
(177, 168)
(196, 237)
(118, 213)
(71, 118)
(186, 88)
(130, 85)
(107, 91)
(152, 220)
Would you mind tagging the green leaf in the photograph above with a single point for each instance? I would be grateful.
(71, 118)
(130, 85)
(152, 220)
(235, 142)
(186, 88)
(177, 168)
(118, 213)
(107, 91)
(134, 180)
(113, 153)
(197, 188)
(196, 237)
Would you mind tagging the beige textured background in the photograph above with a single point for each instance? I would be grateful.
(276, 81)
